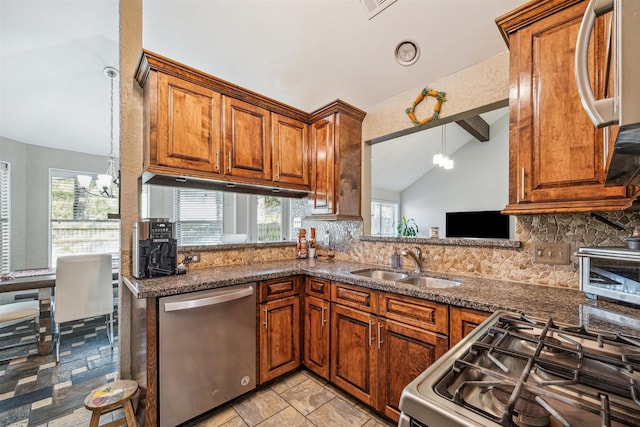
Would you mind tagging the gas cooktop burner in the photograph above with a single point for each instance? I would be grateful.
(515, 370)
(526, 411)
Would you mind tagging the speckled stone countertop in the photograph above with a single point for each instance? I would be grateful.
(561, 304)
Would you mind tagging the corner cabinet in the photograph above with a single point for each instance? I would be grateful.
(336, 162)
(557, 157)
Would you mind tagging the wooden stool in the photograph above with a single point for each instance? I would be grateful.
(110, 397)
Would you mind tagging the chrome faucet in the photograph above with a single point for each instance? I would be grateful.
(417, 258)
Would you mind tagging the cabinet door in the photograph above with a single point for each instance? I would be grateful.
(290, 150)
(322, 166)
(463, 321)
(560, 154)
(316, 335)
(188, 126)
(247, 143)
(279, 337)
(405, 351)
(354, 354)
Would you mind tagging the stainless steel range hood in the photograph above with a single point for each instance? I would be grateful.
(623, 108)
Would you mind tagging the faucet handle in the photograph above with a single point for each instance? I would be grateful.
(418, 252)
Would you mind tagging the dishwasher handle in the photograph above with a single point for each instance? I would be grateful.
(213, 300)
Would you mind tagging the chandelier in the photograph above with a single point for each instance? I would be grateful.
(105, 182)
(440, 158)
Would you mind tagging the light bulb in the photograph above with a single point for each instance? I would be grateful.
(437, 158)
(84, 181)
(104, 181)
(448, 164)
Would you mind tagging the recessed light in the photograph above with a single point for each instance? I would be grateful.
(407, 53)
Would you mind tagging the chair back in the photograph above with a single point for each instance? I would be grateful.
(83, 287)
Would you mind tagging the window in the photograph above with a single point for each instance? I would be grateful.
(79, 220)
(384, 216)
(4, 218)
(198, 216)
(269, 218)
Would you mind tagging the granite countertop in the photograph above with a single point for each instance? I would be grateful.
(562, 305)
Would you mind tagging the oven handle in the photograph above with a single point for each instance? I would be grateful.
(213, 300)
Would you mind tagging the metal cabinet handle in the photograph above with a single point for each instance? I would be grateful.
(522, 184)
(605, 154)
(229, 161)
(217, 161)
(278, 170)
(322, 322)
(379, 340)
(370, 336)
(266, 318)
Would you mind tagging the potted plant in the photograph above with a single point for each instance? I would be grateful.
(407, 227)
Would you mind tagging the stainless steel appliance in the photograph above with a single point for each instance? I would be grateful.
(207, 350)
(610, 272)
(622, 106)
(155, 249)
(518, 371)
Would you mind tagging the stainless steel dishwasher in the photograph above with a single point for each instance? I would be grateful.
(207, 353)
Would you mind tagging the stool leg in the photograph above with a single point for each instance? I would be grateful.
(95, 419)
(129, 415)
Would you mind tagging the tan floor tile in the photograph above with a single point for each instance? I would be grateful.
(290, 381)
(78, 417)
(376, 422)
(338, 412)
(260, 406)
(288, 417)
(343, 395)
(218, 418)
(307, 396)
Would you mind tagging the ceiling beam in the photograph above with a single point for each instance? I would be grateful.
(476, 126)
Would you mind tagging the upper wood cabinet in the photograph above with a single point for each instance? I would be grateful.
(290, 155)
(557, 157)
(205, 132)
(336, 151)
(247, 140)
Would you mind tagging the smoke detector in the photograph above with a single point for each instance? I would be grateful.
(374, 7)
(407, 52)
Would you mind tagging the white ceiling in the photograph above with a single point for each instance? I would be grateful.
(305, 53)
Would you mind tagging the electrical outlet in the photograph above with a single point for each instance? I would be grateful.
(551, 253)
(194, 258)
(297, 222)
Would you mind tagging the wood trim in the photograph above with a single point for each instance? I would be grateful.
(151, 388)
(337, 106)
(570, 206)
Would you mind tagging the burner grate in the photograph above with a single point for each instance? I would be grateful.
(568, 373)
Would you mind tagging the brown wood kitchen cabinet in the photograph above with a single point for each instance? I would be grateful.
(336, 146)
(185, 123)
(412, 334)
(317, 313)
(204, 132)
(463, 321)
(279, 314)
(557, 157)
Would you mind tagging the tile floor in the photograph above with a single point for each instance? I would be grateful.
(35, 391)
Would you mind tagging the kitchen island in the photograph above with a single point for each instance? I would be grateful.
(481, 295)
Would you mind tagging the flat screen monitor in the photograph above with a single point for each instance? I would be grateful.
(478, 224)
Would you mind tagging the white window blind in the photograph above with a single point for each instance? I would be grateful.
(79, 223)
(4, 218)
(198, 216)
(384, 217)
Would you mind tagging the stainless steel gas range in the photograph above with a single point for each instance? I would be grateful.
(518, 371)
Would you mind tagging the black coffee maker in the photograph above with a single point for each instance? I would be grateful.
(155, 249)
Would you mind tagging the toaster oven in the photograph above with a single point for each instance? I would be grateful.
(611, 272)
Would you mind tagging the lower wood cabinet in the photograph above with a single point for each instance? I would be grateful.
(317, 313)
(404, 352)
(463, 321)
(279, 327)
(354, 353)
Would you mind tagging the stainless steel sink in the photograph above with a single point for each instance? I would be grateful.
(429, 282)
(381, 274)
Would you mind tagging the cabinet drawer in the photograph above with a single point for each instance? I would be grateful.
(279, 288)
(354, 296)
(320, 288)
(417, 312)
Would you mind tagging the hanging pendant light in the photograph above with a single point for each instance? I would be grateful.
(440, 158)
(107, 180)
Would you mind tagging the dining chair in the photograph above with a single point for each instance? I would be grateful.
(13, 313)
(83, 289)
